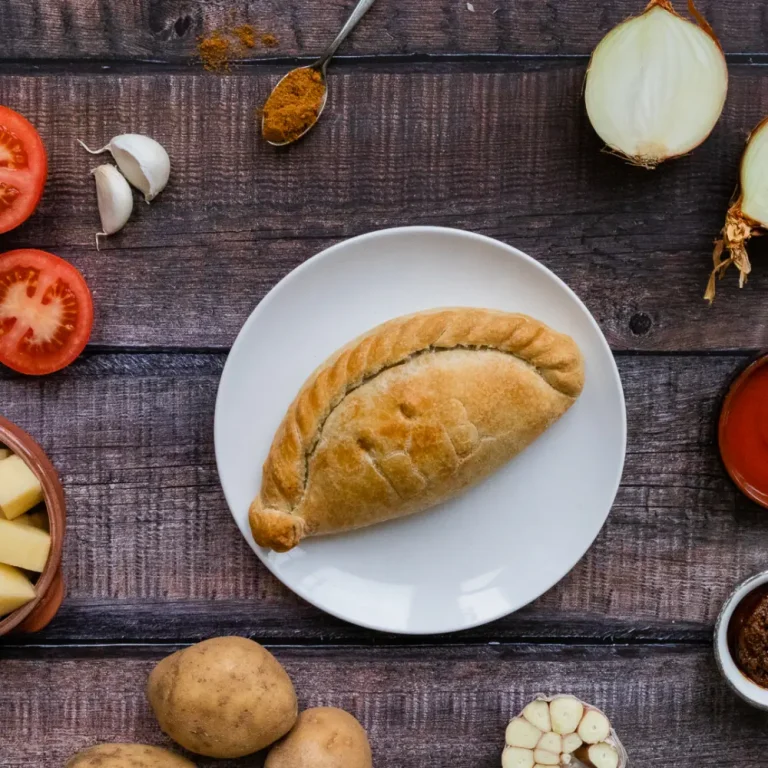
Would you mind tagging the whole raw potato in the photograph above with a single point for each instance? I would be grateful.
(226, 697)
(324, 737)
(127, 756)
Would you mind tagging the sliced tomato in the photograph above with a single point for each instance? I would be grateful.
(46, 312)
(23, 169)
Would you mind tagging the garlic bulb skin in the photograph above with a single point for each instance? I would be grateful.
(114, 197)
(656, 85)
(142, 160)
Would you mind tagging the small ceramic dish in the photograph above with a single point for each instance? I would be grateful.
(38, 613)
(739, 683)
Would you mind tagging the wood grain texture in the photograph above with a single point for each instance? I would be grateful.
(431, 706)
(152, 552)
(166, 30)
(237, 216)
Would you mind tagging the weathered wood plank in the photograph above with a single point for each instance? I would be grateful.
(237, 215)
(152, 552)
(431, 706)
(166, 30)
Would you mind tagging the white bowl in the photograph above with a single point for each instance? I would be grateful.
(740, 684)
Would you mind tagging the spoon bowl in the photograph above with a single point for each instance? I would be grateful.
(321, 65)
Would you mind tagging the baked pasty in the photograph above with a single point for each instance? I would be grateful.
(409, 415)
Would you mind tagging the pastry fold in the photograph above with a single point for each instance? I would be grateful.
(408, 416)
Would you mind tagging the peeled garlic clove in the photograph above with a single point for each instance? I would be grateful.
(520, 733)
(573, 729)
(542, 757)
(571, 742)
(656, 85)
(516, 757)
(594, 727)
(551, 742)
(114, 197)
(566, 712)
(601, 755)
(143, 161)
(537, 713)
(748, 216)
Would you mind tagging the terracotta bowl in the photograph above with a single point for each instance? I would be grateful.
(38, 613)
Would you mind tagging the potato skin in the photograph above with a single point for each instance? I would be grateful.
(224, 697)
(324, 737)
(127, 756)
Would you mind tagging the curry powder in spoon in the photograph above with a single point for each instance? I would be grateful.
(294, 105)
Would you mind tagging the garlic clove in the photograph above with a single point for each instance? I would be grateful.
(537, 713)
(748, 216)
(656, 85)
(600, 756)
(566, 712)
(551, 742)
(571, 742)
(521, 733)
(114, 197)
(542, 757)
(594, 727)
(516, 757)
(143, 161)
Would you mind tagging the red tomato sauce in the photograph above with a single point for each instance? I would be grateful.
(743, 433)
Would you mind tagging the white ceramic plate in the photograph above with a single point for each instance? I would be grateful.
(484, 554)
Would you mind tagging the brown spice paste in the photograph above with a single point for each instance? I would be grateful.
(293, 106)
(748, 636)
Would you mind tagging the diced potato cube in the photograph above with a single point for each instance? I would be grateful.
(23, 546)
(20, 489)
(37, 519)
(15, 589)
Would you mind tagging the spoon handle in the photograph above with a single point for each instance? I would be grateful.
(362, 8)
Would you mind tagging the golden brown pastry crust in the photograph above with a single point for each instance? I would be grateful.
(408, 415)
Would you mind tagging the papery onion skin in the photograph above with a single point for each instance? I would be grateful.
(621, 82)
(745, 218)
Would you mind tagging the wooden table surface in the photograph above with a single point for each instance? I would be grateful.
(438, 115)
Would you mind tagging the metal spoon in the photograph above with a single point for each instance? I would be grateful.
(321, 65)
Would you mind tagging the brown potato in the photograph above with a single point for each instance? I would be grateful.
(225, 697)
(324, 737)
(127, 756)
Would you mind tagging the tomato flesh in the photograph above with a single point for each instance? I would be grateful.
(46, 312)
(23, 169)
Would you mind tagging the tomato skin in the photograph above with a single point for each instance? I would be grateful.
(27, 182)
(68, 289)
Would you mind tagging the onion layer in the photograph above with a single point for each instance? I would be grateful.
(656, 85)
(748, 215)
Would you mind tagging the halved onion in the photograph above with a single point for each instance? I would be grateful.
(656, 85)
(748, 216)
